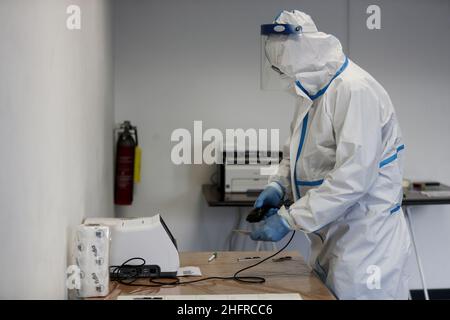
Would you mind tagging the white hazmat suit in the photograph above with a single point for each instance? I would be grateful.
(342, 166)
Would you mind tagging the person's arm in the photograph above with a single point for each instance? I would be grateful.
(356, 121)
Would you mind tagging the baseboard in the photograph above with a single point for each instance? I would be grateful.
(434, 294)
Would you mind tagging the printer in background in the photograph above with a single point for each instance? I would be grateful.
(246, 172)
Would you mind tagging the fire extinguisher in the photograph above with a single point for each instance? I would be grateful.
(127, 146)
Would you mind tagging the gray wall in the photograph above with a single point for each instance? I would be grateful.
(410, 56)
(180, 61)
(56, 118)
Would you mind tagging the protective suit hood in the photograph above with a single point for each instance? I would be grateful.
(311, 60)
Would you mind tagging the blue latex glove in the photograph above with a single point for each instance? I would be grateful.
(270, 197)
(274, 229)
(270, 212)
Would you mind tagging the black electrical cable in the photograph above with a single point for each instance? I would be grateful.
(130, 279)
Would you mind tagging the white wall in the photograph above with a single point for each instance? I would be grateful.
(56, 120)
(410, 56)
(180, 61)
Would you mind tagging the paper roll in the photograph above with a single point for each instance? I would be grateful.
(92, 257)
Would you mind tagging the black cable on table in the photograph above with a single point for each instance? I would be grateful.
(176, 281)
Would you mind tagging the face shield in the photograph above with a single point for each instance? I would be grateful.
(273, 38)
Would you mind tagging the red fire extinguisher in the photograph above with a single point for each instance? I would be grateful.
(125, 164)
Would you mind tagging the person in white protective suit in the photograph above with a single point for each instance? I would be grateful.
(342, 165)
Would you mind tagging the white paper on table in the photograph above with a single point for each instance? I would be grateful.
(263, 296)
(188, 271)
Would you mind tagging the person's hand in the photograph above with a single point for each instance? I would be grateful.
(269, 198)
(274, 229)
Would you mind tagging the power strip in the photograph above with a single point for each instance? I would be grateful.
(145, 271)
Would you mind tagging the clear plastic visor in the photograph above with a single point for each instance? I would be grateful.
(272, 77)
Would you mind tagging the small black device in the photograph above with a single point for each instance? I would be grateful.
(128, 271)
(257, 214)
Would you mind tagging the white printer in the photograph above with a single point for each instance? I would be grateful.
(147, 238)
(247, 171)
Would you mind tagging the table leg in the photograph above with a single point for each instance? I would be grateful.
(419, 262)
(258, 245)
(232, 235)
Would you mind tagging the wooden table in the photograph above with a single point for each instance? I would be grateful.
(291, 276)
